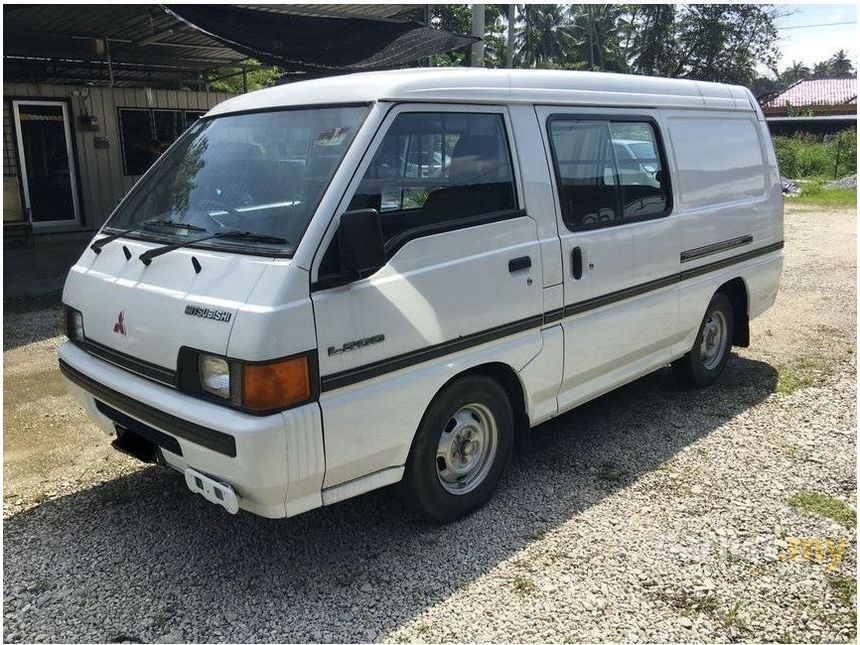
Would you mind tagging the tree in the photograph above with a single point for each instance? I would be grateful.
(650, 38)
(840, 65)
(821, 70)
(597, 29)
(544, 36)
(229, 79)
(718, 42)
(797, 71)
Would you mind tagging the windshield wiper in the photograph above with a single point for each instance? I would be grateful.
(98, 244)
(254, 237)
(147, 256)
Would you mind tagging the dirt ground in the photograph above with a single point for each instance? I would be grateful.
(782, 419)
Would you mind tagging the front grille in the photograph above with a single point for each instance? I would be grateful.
(137, 366)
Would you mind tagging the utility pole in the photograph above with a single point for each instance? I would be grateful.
(478, 30)
(512, 28)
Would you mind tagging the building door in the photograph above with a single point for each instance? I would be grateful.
(46, 164)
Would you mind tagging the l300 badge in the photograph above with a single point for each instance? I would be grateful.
(205, 312)
(356, 344)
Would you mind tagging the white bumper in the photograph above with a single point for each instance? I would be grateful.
(279, 463)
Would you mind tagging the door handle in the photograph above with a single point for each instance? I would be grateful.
(576, 262)
(518, 264)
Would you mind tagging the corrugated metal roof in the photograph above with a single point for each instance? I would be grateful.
(829, 91)
(145, 45)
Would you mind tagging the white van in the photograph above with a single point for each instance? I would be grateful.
(331, 286)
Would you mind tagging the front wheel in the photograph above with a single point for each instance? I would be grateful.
(703, 364)
(461, 449)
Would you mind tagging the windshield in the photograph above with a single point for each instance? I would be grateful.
(261, 174)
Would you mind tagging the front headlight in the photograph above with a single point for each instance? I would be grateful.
(73, 323)
(214, 374)
(259, 388)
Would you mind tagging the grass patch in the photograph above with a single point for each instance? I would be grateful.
(801, 373)
(790, 381)
(825, 505)
(825, 197)
(524, 585)
(732, 617)
(846, 589)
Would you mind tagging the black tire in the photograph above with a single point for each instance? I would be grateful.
(467, 397)
(693, 369)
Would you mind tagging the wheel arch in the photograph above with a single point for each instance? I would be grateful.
(507, 377)
(738, 294)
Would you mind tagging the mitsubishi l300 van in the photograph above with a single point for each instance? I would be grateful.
(331, 286)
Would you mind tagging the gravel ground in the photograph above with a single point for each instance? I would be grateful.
(651, 514)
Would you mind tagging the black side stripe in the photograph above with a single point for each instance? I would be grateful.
(378, 368)
(207, 437)
(735, 259)
(371, 370)
(717, 247)
(622, 294)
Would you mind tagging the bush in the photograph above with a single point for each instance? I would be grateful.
(805, 155)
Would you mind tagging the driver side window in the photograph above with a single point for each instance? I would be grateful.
(432, 169)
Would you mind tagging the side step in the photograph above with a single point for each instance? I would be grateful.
(214, 491)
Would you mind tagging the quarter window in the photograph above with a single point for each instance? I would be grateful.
(608, 172)
(438, 168)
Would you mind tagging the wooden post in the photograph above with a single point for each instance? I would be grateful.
(512, 28)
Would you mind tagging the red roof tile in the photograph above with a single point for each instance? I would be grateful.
(827, 91)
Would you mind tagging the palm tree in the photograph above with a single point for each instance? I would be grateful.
(840, 65)
(651, 38)
(794, 73)
(544, 37)
(821, 70)
(596, 27)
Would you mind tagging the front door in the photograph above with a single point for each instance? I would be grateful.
(618, 246)
(46, 162)
(462, 262)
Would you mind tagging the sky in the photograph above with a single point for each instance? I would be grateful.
(812, 44)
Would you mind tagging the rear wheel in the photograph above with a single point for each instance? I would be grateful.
(703, 364)
(461, 449)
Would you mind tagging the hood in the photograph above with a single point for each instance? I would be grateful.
(149, 312)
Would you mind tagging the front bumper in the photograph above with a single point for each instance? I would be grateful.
(275, 463)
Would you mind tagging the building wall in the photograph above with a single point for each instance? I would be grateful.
(100, 170)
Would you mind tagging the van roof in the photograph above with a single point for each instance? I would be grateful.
(475, 85)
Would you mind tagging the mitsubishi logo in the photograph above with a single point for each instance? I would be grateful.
(119, 327)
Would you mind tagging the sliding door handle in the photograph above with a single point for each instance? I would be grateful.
(576, 262)
(518, 264)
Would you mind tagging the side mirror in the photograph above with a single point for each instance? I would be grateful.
(361, 247)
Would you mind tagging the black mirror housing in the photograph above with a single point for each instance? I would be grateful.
(361, 247)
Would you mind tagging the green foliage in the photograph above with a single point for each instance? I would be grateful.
(825, 505)
(257, 78)
(545, 36)
(804, 155)
(837, 66)
(826, 198)
(708, 42)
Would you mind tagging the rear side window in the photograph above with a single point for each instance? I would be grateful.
(438, 170)
(608, 172)
(718, 160)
